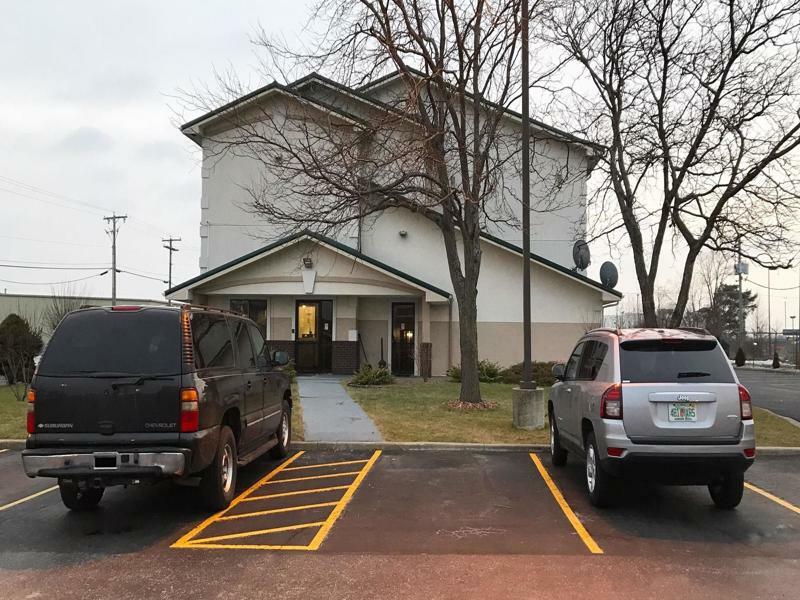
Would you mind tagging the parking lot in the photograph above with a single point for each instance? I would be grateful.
(422, 524)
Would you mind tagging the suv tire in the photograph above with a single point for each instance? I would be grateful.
(727, 494)
(218, 482)
(284, 433)
(74, 498)
(599, 484)
(558, 455)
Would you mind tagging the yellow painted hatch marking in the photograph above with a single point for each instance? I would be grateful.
(183, 541)
(274, 511)
(337, 512)
(332, 464)
(327, 476)
(296, 493)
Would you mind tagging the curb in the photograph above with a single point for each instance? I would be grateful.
(12, 444)
(454, 446)
(342, 446)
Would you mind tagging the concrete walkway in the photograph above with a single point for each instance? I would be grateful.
(330, 414)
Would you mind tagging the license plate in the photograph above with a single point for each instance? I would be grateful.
(683, 412)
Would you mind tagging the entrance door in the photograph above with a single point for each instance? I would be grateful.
(403, 338)
(313, 335)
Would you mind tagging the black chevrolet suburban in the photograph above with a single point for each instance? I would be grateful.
(130, 394)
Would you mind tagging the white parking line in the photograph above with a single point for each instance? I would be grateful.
(26, 498)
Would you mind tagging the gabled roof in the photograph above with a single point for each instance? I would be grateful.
(555, 131)
(362, 94)
(545, 262)
(189, 128)
(297, 237)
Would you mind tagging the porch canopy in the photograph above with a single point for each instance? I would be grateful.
(328, 305)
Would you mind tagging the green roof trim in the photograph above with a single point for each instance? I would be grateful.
(553, 265)
(320, 238)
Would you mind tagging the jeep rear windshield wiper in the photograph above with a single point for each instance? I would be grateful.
(685, 374)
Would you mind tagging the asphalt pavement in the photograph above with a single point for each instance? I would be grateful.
(778, 391)
(423, 524)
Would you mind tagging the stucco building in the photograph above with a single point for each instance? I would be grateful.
(382, 289)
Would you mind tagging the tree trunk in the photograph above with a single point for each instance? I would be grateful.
(468, 339)
(683, 294)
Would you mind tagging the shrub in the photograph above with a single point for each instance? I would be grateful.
(488, 372)
(740, 358)
(776, 361)
(542, 373)
(366, 375)
(19, 344)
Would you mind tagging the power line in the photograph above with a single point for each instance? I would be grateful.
(54, 282)
(53, 268)
(776, 289)
(46, 192)
(142, 276)
(27, 239)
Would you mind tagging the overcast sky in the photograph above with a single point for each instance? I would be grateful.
(87, 129)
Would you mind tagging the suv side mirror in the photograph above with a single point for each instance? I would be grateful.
(280, 358)
(558, 372)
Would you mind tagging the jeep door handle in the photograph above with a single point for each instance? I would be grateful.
(569, 390)
(249, 385)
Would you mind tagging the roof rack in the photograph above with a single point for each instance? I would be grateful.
(226, 311)
(699, 330)
(615, 331)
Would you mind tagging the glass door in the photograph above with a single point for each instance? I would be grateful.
(403, 338)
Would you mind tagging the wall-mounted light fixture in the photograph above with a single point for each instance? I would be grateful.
(403, 233)
(307, 262)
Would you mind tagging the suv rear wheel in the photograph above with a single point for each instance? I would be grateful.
(218, 483)
(727, 494)
(284, 433)
(75, 498)
(599, 484)
(557, 453)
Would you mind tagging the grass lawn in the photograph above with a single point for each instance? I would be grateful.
(12, 415)
(418, 412)
(298, 431)
(412, 411)
(774, 431)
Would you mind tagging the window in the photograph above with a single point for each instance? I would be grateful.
(592, 359)
(212, 341)
(252, 309)
(307, 322)
(571, 371)
(259, 345)
(144, 342)
(674, 361)
(244, 349)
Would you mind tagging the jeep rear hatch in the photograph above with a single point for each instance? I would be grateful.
(678, 390)
(111, 371)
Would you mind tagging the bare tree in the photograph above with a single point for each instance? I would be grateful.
(697, 102)
(62, 301)
(445, 147)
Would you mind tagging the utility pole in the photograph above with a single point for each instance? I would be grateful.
(112, 221)
(527, 370)
(171, 249)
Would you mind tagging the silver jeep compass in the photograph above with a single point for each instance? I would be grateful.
(662, 405)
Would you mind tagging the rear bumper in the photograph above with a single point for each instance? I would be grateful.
(675, 463)
(106, 465)
(158, 455)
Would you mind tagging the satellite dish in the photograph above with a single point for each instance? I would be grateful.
(609, 275)
(580, 254)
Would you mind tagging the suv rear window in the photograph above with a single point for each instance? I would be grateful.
(674, 361)
(145, 342)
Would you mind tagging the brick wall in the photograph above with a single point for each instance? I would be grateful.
(344, 359)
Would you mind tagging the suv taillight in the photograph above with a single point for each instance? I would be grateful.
(31, 420)
(190, 410)
(611, 403)
(187, 349)
(745, 404)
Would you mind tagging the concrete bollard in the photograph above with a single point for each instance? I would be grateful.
(529, 408)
